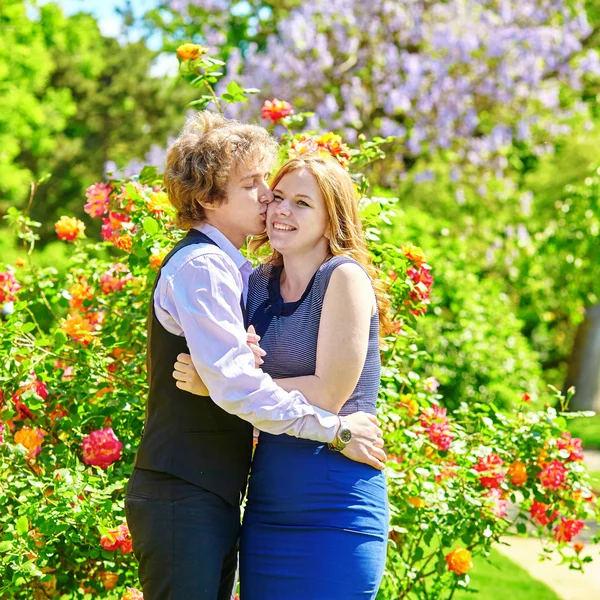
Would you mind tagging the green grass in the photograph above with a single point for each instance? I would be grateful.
(588, 429)
(595, 476)
(503, 579)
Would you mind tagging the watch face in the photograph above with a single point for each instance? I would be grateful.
(345, 435)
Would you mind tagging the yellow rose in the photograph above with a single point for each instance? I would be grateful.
(414, 254)
(190, 51)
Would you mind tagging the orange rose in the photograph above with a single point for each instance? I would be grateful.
(69, 228)
(408, 402)
(31, 439)
(578, 547)
(80, 292)
(109, 579)
(542, 459)
(517, 473)
(416, 502)
(459, 561)
(78, 328)
(157, 258)
(190, 52)
(124, 242)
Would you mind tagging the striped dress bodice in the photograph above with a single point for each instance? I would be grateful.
(289, 331)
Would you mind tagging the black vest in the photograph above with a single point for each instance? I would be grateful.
(186, 435)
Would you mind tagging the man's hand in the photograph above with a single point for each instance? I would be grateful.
(366, 445)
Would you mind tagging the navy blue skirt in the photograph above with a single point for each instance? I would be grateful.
(315, 525)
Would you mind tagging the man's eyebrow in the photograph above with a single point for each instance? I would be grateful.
(251, 176)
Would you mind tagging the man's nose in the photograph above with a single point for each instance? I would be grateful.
(266, 197)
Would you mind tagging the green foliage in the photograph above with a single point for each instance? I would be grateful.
(474, 338)
(74, 101)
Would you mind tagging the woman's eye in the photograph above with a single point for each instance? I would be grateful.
(277, 198)
(302, 203)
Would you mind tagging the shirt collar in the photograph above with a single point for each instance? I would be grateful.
(221, 240)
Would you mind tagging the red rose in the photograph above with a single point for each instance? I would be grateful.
(117, 539)
(573, 445)
(553, 475)
(567, 529)
(276, 110)
(539, 513)
(489, 467)
(101, 448)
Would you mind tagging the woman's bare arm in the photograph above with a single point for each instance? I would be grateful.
(343, 340)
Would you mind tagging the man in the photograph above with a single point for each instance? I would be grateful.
(192, 465)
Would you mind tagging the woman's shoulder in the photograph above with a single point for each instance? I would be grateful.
(261, 274)
(261, 270)
(345, 268)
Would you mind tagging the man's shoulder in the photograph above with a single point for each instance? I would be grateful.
(203, 258)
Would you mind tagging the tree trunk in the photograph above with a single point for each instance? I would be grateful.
(584, 364)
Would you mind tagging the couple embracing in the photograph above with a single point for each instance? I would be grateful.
(291, 348)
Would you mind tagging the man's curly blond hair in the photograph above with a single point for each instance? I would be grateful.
(204, 156)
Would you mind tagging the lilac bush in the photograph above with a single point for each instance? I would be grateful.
(462, 79)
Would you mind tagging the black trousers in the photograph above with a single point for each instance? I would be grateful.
(184, 537)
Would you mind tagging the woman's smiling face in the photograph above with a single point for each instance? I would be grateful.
(297, 219)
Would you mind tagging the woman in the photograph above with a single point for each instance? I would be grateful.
(316, 524)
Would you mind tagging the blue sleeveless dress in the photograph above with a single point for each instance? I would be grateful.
(316, 523)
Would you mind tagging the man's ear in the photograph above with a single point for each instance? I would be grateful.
(206, 205)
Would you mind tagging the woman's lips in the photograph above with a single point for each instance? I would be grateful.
(277, 226)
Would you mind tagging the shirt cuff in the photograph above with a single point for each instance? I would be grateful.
(329, 422)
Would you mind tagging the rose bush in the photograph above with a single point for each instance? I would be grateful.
(73, 385)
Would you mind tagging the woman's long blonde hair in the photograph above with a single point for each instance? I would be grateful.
(345, 232)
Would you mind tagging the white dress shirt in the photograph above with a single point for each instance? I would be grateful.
(198, 296)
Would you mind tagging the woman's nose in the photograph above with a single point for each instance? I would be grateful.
(282, 207)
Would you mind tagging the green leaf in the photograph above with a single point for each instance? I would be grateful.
(60, 338)
(151, 226)
(22, 525)
(148, 174)
(140, 251)
(5, 546)
(28, 327)
(234, 88)
(201, 103)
